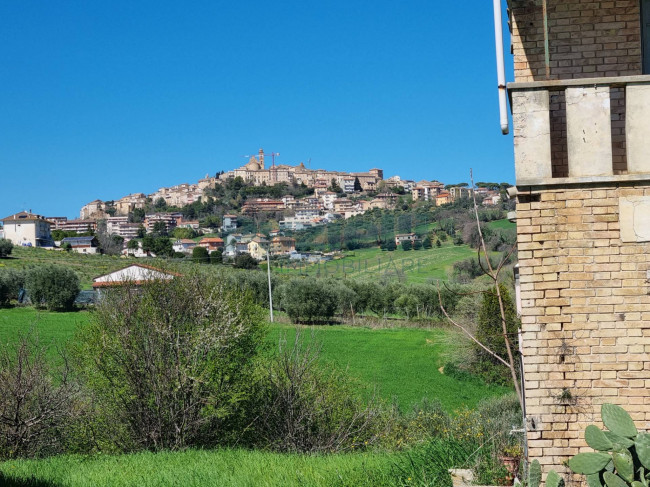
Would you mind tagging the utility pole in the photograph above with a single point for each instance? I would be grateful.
(268, 271)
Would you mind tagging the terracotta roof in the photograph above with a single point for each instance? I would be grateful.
(211, 240)
(25, 216)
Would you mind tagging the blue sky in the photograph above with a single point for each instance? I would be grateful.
(102, 99)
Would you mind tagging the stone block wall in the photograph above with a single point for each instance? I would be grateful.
(587, 39)
(584, 273)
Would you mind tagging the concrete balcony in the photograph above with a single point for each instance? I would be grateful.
(585, 122)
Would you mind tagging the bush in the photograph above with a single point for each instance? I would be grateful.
(304, 406)
(52, 286)
(11, 282)
(216, 257)
(245, 261)
(407, 245)
(6, 246)
(308, 300)
(171, 363)
(36, 411)
(489, 332)
(200, 255)
(417, 245)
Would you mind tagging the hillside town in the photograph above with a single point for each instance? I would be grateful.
(327, 196)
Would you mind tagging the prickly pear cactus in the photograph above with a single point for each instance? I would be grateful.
(622, 453)
(535, 476)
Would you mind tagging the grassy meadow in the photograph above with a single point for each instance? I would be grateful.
(195, 468)
(414, 266)
(396, 364)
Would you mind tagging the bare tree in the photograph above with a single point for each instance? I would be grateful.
(493, 272)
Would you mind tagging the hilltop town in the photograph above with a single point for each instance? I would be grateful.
(229, 208)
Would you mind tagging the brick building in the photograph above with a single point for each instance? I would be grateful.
(581, 114)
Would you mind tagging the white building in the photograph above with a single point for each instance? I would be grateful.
(28, 230)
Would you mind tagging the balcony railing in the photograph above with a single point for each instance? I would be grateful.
(577, 130)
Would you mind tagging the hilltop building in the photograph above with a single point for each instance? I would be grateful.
(255, 171)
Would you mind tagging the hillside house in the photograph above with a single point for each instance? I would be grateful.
(229, 223)
(211, 243)
(443, 198)
(184, 245)
(257, 247)
(79, 226)
(282, 245)
(404, 237)
(581, 113)
(28, 229)
(82, 245)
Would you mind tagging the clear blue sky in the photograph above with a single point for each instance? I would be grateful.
(99, 99)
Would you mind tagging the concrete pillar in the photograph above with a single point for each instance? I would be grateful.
(589, 131)
(532, 134)
(637, 128)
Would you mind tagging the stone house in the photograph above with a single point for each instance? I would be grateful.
(581, 115)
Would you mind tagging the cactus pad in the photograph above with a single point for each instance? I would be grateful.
(618, 442)
(588, 463)
(554, 480)
(642, 446)
(613, 480)
(596, 439)
(618, 421)
(534, 474)
(594, 480)
(624, 465)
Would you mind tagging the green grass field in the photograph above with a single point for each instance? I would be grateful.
(502, 224)
(401, 363)
(415, 266)
(398, 364)
(192, 468)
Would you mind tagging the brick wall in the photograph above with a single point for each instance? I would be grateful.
(587, 39)
(585, 315)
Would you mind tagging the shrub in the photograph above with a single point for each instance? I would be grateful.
(169, 364)
(216, 257)
(200, 255)
(304, 406)
(489, 331)
(391, 245)
(309, 300)
(6, 246)
(245, 261)
(36, 411)
(11, 282)
(52, 286)
(408, 304)
(427, 243)
(407, 245)
(417, 245)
